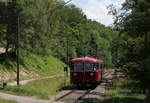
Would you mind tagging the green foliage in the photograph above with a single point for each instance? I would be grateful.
(130, 68)
(105, 51)
(122, 92)
(27, 92)
(42, 65)
(48, 27)
(134, 41)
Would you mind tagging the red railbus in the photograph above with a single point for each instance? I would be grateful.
(86, 70)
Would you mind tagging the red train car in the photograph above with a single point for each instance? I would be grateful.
(86, 70)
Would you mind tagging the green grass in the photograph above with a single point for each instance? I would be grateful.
(122, 92)
(42, 65)
(41, 89)
(6, 101)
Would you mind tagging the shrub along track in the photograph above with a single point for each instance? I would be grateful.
(85, 94)
(23, 82)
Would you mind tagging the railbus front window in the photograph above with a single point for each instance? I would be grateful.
(86, 66)
(100, 65)
(78, 66)
(96, 66)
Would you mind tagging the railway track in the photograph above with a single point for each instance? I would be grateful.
(73, 96)
(81, 95)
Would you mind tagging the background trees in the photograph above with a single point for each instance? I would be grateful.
(133, 22)
(49, 27)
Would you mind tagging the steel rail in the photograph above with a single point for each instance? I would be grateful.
(80, 97)
(59, 98)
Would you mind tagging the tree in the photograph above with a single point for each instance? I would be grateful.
(134, 25)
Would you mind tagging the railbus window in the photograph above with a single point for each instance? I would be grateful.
(86, 66)
(91, 66)
(96, 66)
(100, 66)
(78, 66)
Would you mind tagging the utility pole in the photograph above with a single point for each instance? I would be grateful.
(67, 53)
(67, 62)
(18, 38)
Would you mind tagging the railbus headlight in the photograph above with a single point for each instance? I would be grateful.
(91, 74)
(74, 74)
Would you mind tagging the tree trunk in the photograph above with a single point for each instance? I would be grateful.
(148, 97)
(7, 47)
(145, 43)
(7, 40)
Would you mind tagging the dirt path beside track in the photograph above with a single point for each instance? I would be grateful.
(23, 82)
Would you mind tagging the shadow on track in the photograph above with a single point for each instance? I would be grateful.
(83, 87)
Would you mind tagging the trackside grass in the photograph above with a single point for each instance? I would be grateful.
(41, 89)
(122, 92)
(6, 101)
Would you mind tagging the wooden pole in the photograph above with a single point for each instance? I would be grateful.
(18, 36)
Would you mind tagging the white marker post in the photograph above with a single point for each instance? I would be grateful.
(65, 75)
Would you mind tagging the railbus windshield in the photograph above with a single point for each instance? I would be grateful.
(86, 66)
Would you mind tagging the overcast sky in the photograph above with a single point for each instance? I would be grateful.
(97, 9)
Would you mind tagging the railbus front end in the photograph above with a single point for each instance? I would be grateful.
(86, 71)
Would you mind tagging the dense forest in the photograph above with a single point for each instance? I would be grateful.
(50, 27)
(133, 52)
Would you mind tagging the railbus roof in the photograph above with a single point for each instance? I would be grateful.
(87, 59)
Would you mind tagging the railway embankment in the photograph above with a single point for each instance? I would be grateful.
(40, 77)
(31, 66)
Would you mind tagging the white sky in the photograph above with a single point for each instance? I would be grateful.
(97, 9)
